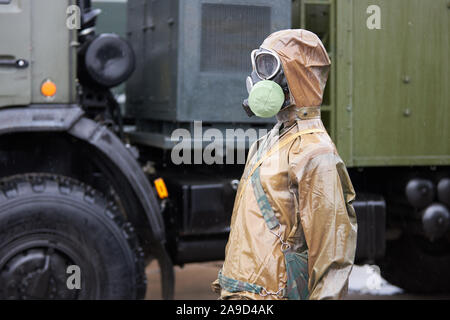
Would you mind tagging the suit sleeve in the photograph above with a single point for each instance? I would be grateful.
(329, 224)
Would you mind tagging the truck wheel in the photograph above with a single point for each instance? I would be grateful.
(48, 223)
(417, 266)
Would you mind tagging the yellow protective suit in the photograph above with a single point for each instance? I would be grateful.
(306, 184)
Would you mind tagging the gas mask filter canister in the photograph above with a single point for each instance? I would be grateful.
(266, 99)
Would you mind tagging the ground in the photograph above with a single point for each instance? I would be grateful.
(193, 283)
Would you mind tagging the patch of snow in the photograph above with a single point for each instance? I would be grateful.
(367, 280)
(121, 98)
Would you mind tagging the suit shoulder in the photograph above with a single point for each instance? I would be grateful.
(313, 144)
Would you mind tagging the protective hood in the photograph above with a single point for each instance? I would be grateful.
(305, 62)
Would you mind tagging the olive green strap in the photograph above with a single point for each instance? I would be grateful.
(263, 202)
(233, 286)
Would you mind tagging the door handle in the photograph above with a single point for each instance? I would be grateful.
(19, 63)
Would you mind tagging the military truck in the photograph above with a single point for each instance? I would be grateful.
(88, 183)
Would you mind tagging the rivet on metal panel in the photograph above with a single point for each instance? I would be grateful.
(407, 112)
(150, 26)
(406, 79)
(170, 21)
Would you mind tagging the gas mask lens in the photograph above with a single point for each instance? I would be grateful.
(266, 64)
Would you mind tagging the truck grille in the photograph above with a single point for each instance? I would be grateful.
(230, 33)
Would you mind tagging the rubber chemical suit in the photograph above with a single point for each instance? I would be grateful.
(293, 227)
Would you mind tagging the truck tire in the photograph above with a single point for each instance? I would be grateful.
(50, 222)
(417, 266)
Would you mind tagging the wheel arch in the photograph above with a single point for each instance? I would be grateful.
(67, 125)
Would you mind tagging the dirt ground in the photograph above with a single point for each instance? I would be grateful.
(193, 283)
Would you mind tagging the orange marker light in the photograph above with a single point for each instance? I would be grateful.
(48, 88)
(161, 188)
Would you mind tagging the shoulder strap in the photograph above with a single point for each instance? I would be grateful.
(263, 202)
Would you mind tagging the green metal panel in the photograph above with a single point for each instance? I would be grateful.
(344, 87)
(36, 31)
(393, 98)
(53, 55)
(15, 37)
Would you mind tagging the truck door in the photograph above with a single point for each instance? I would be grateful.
(15, 52)
(400, 83)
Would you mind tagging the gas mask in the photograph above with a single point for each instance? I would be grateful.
(267, 86)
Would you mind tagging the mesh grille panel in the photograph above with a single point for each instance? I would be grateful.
(230, 33)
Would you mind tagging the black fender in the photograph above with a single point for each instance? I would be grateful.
(70, 119)
(111, 146)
